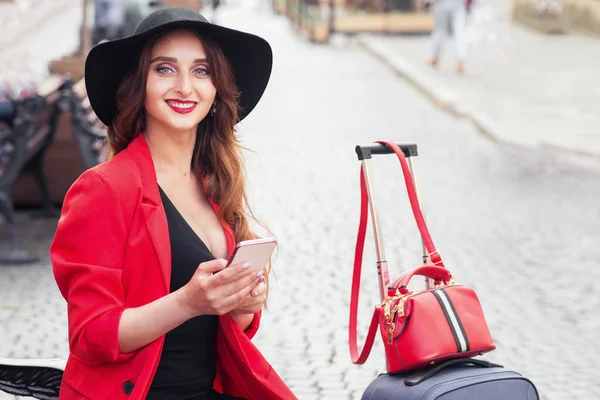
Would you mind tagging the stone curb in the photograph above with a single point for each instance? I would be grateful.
(447, 100)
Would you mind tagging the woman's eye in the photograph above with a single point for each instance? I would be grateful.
(163, 70)
(201, 71)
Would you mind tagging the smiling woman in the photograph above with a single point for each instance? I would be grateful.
(178, 77)
(142, 236)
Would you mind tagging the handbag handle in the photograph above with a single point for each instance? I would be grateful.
(434, 256)
(438, 274)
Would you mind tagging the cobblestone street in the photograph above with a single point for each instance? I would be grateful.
(522, 227)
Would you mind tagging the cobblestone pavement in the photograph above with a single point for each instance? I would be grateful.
(519, 226)
(519, 86)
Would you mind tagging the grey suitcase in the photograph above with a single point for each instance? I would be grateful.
(459, 379)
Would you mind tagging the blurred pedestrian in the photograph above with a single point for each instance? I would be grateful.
(215, 7)
(450, 19)
(109, 20)
(140, 249)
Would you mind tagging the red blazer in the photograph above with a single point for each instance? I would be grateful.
(111, 251)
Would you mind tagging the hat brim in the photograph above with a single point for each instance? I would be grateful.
(249, 56)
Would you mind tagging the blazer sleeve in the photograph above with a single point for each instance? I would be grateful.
(253, 328)
(87, 256)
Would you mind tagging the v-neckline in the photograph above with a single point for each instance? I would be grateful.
(180, 216)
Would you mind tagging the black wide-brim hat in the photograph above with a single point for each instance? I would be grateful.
(250, 58)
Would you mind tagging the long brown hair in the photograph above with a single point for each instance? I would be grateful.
(217, 158)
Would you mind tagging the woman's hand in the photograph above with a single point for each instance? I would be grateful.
(205, 294)
(255, 301)
(245, 313)
(210, 293)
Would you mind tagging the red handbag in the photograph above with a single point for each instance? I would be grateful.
(419, 327)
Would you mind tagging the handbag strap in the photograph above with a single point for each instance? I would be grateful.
(434, 256)
(358, 256)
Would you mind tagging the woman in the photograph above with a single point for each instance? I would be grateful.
(140, 248)
(450, 18)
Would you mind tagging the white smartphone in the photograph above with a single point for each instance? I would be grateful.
(257, 252)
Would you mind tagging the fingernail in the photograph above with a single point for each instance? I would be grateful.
(260, 273)
(255, 293)
(246, 265)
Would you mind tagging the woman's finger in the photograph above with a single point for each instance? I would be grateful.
(260, 289)
(236, 298)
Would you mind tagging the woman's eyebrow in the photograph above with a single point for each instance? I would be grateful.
(174, 60)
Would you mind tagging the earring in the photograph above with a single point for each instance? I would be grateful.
(213, 110)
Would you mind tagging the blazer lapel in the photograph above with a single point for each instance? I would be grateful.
(158, 230)
(154, 213)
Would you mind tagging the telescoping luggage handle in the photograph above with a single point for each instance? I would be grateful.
(364, 153)
(430, 254)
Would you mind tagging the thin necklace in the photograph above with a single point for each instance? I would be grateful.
(185, 173)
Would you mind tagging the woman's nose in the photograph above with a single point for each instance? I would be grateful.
(184, 85)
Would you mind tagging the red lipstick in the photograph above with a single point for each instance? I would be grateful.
(182, 106)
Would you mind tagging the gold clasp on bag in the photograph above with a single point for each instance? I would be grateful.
(390, 335)
(390, 312)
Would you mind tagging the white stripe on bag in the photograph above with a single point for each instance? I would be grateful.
(454, 320)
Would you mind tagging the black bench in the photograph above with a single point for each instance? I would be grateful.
(37, 378)
(27, 127)
(89, 131)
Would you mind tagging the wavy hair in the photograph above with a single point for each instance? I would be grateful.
(217, 157)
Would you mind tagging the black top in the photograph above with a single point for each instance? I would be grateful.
(187, 365)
